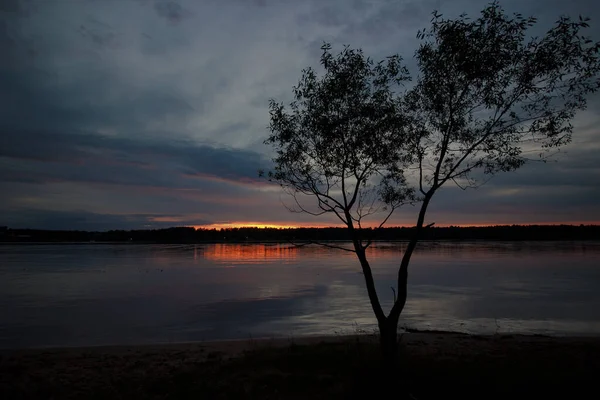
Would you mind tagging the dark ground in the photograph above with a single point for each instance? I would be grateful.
(433, 366)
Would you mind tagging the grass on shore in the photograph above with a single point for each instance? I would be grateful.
(467, 367)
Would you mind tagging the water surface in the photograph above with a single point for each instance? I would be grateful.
(92, 294)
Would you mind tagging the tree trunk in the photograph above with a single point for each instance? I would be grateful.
(388, 342)
(389, 381)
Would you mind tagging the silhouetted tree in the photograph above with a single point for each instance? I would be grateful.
(486, 94)
(341, 145)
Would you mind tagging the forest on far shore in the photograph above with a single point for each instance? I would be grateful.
(236, 235)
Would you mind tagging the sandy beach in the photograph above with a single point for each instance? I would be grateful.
(319, 367)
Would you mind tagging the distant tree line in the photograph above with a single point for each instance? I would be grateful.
(236, 235)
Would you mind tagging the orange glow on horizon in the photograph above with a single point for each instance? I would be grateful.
(295, 225)
(262, 225)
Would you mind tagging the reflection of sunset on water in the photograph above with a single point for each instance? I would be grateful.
(250, 253)
(106, 294)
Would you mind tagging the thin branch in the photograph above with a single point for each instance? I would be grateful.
(344, 186)
(458, 184)
(498, 114)
(421, 173)
(302, 208)
(370, 240)
(324, 206)
(359, 180)
(331, 246)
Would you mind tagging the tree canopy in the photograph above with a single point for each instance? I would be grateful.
(342, 139)
(488, 97)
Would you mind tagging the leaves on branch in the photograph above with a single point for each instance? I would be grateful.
(486, 93)
(342, 138)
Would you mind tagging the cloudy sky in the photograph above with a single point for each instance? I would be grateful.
(152, 113)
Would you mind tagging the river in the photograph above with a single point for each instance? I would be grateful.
(97, 294)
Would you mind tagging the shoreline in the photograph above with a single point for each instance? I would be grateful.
(239, 346)
(319, 367)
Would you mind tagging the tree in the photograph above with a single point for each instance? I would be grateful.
(342, 145)
(485, 96)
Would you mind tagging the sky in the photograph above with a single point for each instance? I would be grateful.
(136, 114)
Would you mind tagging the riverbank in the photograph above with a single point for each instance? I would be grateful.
(433, 364)
(190, 235)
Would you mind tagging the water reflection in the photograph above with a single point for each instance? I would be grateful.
(101, 294)
(250, 253)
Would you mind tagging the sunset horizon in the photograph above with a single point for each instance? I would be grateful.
(237, 225)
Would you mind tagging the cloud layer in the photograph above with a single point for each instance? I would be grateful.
(143, 113)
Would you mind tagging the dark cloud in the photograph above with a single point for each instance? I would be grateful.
(99, 33)
(33, 98)
(110, 154)
(172, 11)
(84, 220)
(581, 172)
(9, 6)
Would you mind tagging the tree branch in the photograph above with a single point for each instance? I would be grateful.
(331, 246)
